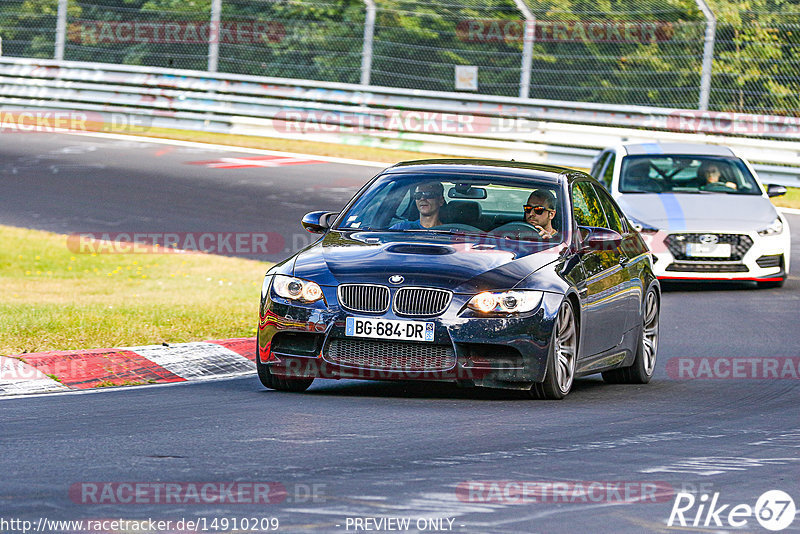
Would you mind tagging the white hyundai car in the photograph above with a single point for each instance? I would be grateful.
(702, 209)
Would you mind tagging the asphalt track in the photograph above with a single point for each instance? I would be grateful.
(74, 183)
(381, 449)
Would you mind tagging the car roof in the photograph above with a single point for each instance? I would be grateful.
(516, 169)
(688, 149)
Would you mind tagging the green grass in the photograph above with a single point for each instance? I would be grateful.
(55, 299)
(790, 200)
(363, 152)
(112, 384)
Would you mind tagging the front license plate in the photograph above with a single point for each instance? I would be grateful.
(708, 250)
(388, 329)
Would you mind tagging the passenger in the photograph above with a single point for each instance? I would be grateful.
(429, 198)
(710, 174)
(540, 211)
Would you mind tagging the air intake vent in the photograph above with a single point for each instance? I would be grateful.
(364, 298)
(701, 267)
(766, 262)
(390, 355)
(420, 301)
(429, 250)
(740, 244)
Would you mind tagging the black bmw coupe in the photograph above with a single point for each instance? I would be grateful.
(485, 273)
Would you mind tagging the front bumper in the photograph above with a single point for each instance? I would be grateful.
(767, 259)
(298, 340)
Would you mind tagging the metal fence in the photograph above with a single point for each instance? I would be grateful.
(723, 55)
(40, 95)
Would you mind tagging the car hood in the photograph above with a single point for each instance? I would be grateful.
(699, 212)
(458, 263)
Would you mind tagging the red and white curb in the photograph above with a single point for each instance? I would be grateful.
(58, 371)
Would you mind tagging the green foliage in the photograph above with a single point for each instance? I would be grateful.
(418, 44)
(757, 56)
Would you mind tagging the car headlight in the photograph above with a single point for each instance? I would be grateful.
(505, 302)
(297, 289)
(775, 228)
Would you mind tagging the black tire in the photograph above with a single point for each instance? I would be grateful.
(770, 284)
(271, 381)
(563, 352)
(645, 362)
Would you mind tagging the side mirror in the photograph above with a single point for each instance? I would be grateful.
(601, 239)
(774, 190)
(317, 222)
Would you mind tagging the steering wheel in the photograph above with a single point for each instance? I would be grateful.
(719, 187)
(517, 229)
(456, 226)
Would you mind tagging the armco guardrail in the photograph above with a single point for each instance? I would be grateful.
(132, 99)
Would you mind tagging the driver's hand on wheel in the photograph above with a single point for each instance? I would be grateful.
(544, 234)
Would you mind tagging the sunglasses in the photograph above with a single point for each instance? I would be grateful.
(419, 195)
(538, 210)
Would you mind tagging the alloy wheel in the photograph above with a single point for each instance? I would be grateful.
(565, 347)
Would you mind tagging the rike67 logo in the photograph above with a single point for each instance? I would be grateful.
(774, 510)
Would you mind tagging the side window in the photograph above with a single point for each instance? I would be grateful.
(612, 215)
(586, 205)
(598, 165)
(608, 173)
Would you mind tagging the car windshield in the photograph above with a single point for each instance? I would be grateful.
(470, 204)
(686, 174)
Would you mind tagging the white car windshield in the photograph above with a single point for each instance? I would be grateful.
(686, 174)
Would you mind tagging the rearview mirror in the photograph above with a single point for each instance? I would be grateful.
(774, 190)
(601, 239)
(467, 191)
(317, 222)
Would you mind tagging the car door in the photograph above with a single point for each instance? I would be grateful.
(629, 256)
(607, 281)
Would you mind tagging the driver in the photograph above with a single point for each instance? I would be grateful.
(540, 211)
(429, 198)
(710, 174)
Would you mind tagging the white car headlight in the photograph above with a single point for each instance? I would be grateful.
(775, 228)
(297, 289)
(505, 301)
